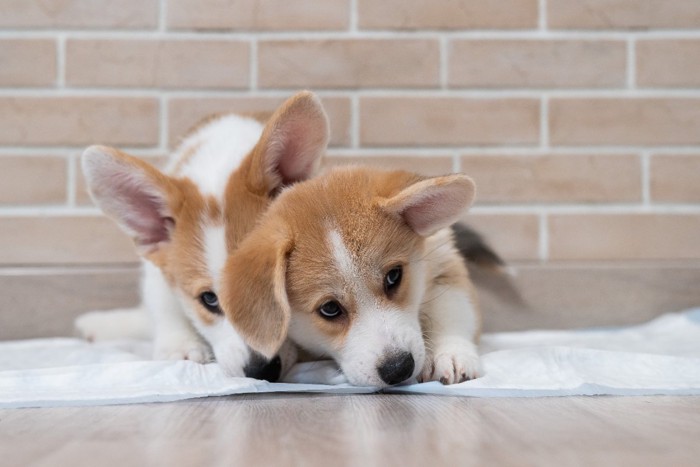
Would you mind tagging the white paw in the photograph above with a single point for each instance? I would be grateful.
(184, 348)
(113, 324)
(452, 362)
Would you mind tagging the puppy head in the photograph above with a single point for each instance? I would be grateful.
(189, 234)
(336, 263)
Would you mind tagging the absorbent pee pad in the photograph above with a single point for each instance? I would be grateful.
(659, 357)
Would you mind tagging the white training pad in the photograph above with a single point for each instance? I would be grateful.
(659, 357)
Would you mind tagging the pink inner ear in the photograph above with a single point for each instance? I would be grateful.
(137, 205)
(299, 144)
(435, 209)
(145, 218)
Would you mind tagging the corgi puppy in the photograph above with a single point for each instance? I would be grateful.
(187, 220)
(360, 265)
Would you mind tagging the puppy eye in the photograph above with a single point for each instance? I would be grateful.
(210, 301)
(330, 310)
(392, 280)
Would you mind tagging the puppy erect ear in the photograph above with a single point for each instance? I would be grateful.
(432, 204)
(291, 146)
(254, 292)
(134, 193)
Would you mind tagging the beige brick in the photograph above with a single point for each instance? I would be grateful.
(254, 15)
(26, 180)
(624, 236)
(675, 178)
(424, 165)
(447, 14)
(625, 121)
(514, 237)
(348, 63)
(623, 14)
(82, 197)
(668, 63)
(78, 121)
(63, 240)
(27, 62)
(185, 113)
(79, 14)
(537, 63)
(555, 178)
(158, 63)
(439, 121)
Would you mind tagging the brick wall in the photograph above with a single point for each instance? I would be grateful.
(579, 119)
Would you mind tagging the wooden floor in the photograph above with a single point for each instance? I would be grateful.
(374, 430)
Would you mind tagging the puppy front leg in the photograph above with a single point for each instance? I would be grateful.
(174, 337)
(450, 326)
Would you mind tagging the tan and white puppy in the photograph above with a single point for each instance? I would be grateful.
(186, 221)
(360, 265)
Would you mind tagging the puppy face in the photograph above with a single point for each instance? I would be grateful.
(337, 263)
(187, 222)
(355, 297)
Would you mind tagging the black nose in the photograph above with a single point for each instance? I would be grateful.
(396, 367)
(260, 368)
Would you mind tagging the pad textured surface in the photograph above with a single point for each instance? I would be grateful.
(659, 357)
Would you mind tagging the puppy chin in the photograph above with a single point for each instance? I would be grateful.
(361, 377)
(233, 359)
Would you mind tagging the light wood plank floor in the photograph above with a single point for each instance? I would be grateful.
(374, 430)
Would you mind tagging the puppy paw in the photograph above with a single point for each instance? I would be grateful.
(182, 349)
(452, 363)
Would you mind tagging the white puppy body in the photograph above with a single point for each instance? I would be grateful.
(187, 220)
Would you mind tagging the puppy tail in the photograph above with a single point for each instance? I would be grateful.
(475, 250)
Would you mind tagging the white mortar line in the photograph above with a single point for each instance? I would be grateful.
(477, 34)
(543, 237)
(60, 60)
(163, 136)
(544, 123)
(531, 149)
(588, 209)
(62, 210)
(494, 150)
(71, 180)
(409, 93)
(353, 16)
(162, 15)
(355, 121)
(631, 64)
(444, 62)
(51, 269)
(646, 178)
(390, 152)
(253, 63)
(50, 211)
(542, 15)
(39, 151)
